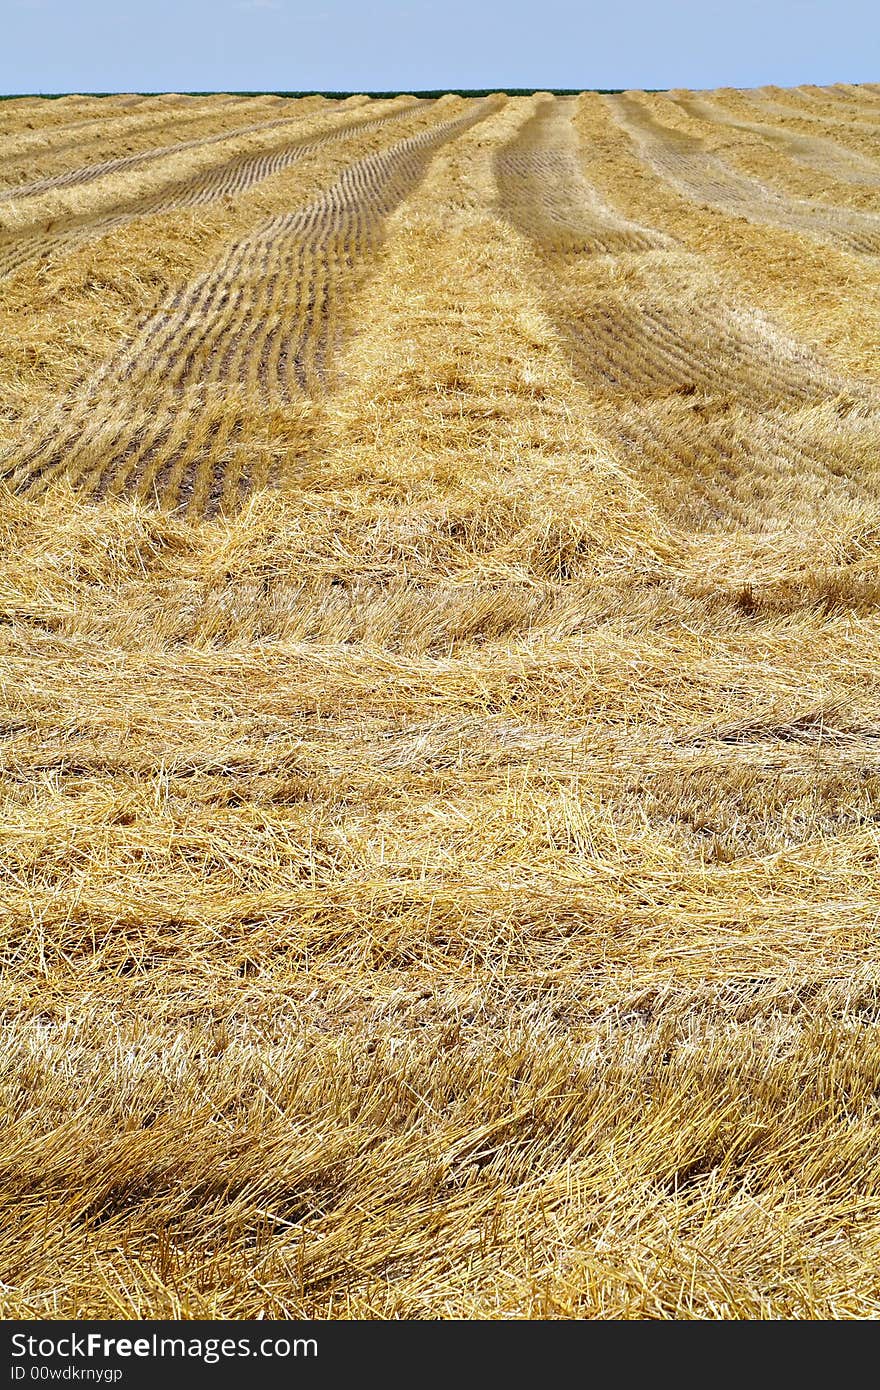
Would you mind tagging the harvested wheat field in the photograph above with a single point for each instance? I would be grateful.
(440, 662)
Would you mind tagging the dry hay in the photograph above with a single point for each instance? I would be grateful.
(440, 837)
(700, 173)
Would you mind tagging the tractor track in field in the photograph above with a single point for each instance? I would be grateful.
(812, 151)
(705, 178)
(712, 394)
(266, 319)
(230, 178)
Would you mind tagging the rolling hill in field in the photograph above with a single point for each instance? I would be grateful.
(440, 728)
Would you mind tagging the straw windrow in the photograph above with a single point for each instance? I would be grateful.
(439, 742)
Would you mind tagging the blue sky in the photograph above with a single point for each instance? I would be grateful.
(162, 45)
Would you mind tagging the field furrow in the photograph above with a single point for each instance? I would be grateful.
(543, 192)
(812, 151)
(52, 145)
(727, 420)
(229, 178)
(88, 173)
(843, 95)
(266, 319)
(805, 116)
(24, 115)
(282, 273)
(439, 712)
(704, 177)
